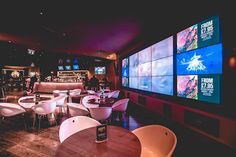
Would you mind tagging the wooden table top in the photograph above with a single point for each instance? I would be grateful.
(121, 143)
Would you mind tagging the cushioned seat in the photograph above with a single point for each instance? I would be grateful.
(156, 141)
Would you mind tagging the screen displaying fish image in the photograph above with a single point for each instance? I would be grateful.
(150, 69)
(125, 72)
(199, 62)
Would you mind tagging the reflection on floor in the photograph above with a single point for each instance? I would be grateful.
(16, 141)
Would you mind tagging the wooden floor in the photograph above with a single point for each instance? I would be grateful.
(17, 141)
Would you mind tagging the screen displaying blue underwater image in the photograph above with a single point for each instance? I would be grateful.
(76, 67)
(133, 82)
(60, 68)
(145, 83)
(163, 84)
(145, 65)
(125, 72)
(206, 60)
(133, 65)
(68, 67)
(162, 67)
(145, 55)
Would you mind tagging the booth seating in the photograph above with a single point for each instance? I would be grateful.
(49, 87)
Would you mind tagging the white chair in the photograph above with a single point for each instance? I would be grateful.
(120, 106)
(75, 92)
(114, 94)
(100, 113)
(76, 109)
(43, 109)
(87, 98)
(91, 92)
(10, 109)
(156, 140)
(61, 103)
(57, 93)
(74, 124)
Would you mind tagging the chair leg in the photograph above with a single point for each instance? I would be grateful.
(39, 123)
(55, 119)
(34, 120)
(24, 121)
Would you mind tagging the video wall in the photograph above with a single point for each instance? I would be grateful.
(150, 69)
(198, 64)
(199, 61)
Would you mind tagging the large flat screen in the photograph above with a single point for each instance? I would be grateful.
(207, 60)
(67, 67)
(100, 70)
(199, 62)
(75, 67)
(203, 34)
(150, 69)
(60, 68)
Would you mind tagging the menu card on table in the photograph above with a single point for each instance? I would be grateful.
(101, 133)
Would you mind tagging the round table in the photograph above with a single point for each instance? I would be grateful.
(121, 143)
(29, 101)
(107, 102)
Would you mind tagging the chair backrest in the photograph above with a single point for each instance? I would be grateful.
(60, 100)
(87, 98)
(100, 113)
(74, 124)
(45, 107)
(10, 109)
(75, 92)
(114, 94)
(156, 140)
(120, 105)
(76, 109)
(57, 93)
(91, 92)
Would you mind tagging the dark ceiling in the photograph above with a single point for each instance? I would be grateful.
(98, 29)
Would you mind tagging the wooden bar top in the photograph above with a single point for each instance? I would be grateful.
(121, 143)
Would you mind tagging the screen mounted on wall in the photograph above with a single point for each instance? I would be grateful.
(150, 69)
(60, 68)
(75, 67)
(199, 67)
(100, 70)
(67, 67)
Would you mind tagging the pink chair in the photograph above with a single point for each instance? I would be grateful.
(100, 113)
(76, 109)
(120, 106)
(10, 109)
(156, 140)
(74, 124)
(75, 92)
(61, 103)
(91, 92)
(44, 109)
(114, 94)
